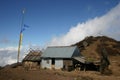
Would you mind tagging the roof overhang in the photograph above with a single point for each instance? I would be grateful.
(80, 59)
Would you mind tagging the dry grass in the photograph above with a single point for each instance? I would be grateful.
(20, 74)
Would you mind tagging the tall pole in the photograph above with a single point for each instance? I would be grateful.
(21, 35)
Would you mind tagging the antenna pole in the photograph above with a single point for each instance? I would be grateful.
(21, 35)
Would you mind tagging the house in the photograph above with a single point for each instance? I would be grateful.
(61, 57)
(32, 60)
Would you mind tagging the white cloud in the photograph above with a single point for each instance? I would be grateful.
(108, 24)
(8, 55)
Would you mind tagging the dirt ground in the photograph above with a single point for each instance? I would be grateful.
(44, 74)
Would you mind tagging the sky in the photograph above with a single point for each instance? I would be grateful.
(54, 23)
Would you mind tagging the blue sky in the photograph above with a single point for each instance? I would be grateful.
(46, 18)
(54, 23)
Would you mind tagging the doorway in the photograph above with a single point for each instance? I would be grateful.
(53, 63)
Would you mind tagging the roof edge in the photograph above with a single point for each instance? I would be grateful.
(59, 46)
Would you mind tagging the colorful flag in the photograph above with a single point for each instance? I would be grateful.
(24, 28)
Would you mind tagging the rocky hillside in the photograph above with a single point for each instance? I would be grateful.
(91, 47)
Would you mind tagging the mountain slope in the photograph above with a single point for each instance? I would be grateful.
(91, 47)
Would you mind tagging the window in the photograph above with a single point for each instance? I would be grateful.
(47, 61)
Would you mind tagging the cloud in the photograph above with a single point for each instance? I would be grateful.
(9, 55)
(35, 47)
(108, 24)
(5, 40)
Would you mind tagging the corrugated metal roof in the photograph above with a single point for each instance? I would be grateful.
(80, 59)
(33, 56)
(59, 52)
